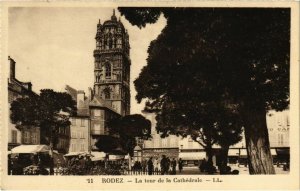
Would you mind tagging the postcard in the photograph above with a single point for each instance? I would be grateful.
(172, 95)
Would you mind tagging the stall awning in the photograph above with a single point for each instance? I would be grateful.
(243, 152)
(75, 154)
(273, 152)
(233, 152)
(115, 157)
(96, 156)
(192, 155)
(127, 156)
(283, 151)
(31, 149)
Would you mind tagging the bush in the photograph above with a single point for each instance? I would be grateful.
(35, 170)
(76, 169)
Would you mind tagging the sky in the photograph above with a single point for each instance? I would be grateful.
(53, 47)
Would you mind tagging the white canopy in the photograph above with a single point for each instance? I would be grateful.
(233, 152)
(116, 157)
(31, 149)
(244, 152)
(75, 154)
(98, 156)
(192, 155)
(127, 156)
(273, 152)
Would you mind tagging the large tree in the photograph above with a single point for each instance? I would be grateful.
(213, 54)
(209, 124)
(49, 111)
(107, 143)
(128, 128)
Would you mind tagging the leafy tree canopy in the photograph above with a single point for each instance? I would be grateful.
(242, 51)
(48, 111)
(129, 128)
(107, 143)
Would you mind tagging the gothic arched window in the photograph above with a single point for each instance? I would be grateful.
(107, 70)
(110, 43)
(106, 44)
(106, 93)
(119, 42)
(115, 43)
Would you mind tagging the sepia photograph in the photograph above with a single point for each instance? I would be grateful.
(190, 93)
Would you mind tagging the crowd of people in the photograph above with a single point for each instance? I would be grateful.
(163, 165)
(83, 165)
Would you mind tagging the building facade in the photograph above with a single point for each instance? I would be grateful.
(79, 130)
(157, 146)
(18, 89)
(191, 152)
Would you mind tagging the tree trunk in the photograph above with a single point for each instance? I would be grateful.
(223, 158)
(208, 150)
(257, 142)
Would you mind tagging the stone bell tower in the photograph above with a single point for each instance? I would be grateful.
(112, 65)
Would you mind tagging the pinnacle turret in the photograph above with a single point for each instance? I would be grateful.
(113, 17)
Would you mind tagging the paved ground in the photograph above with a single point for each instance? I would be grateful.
(242, 169)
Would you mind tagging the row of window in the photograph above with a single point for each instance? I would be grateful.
(78, 134)
(117, 63)
(109, 43)
(77, 147)
(165, 142)
(63, 130)
(62, 143)
(97, 128)
(116, 77)
(30, 137)
(82, 122)
(14, 136)
(112, 30)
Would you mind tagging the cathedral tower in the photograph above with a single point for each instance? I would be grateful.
(112, 65)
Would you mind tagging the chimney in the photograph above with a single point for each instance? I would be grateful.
(29, 86)
(12, 65)
(90, 94)
(80, 98)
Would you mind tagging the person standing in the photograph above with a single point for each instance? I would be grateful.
(155, 165)
(163, 165)
(174, 163)
(88, 164)
(9, 163)
(180, 165)
(168, 165)
(144, 165)
(150, 166)
(51, 165)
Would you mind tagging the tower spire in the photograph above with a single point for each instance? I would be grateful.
(113, 17)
